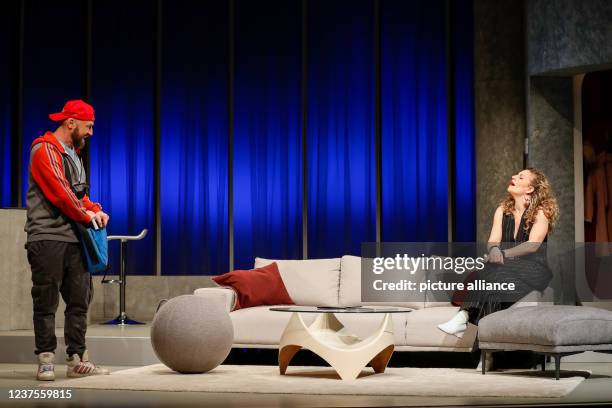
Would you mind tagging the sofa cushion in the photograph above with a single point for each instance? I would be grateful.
(422, 329)
(366, 324)
(350, 286)
(249, 325)
(259, 325)
(310, 282)
(256, 287)
(555, 325)
(227, 296)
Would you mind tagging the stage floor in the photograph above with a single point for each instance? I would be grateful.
(118, 348)
(108, 345)
(95, 329)
(595, 390)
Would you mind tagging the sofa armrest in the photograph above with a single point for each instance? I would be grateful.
(225, 295)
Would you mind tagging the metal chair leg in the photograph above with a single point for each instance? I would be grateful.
(483, 361)
(557, 366)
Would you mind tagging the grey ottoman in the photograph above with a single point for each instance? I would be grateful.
(550, 330)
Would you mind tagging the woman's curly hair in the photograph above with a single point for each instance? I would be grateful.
(542, 198)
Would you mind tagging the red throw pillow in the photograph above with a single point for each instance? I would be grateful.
(256, 287)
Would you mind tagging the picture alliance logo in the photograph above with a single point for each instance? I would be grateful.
(412, 265)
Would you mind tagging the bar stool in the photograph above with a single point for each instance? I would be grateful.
(123, 318)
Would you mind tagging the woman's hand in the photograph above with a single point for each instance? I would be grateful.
(496, 256)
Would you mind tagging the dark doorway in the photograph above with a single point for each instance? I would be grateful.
(597, 159)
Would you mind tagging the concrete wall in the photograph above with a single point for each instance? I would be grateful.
(15, 275)
(551, 143)
(565, 38)
(143, 293)
(568, 36)
(551, 149)
(499, 81)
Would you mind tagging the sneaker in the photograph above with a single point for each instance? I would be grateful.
(46, 369)
(457, 325)
(82, 367)
(451, 327)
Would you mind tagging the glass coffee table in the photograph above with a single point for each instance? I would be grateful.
(326, 337)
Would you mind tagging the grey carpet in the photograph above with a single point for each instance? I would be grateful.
(441, 382)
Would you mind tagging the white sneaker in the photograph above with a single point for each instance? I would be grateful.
(46, 368)
(82, 367)
(456, 329)
(457, 325)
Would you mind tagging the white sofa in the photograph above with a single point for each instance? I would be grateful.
(337, 282)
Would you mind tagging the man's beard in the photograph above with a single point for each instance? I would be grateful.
(77, 142)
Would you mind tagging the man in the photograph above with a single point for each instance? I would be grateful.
(56, 200)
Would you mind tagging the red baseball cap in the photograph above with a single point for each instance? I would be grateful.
(76, 109)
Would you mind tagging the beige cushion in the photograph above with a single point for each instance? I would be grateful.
(422, 330)
(310, 282)
(227, 296)
(350, 286)
(365, 324)
(260, 326)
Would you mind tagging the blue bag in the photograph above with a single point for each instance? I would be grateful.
(95, 248)
(93, 240)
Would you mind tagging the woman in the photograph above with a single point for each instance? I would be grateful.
(516, 254)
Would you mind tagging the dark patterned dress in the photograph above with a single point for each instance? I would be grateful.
(528, 273)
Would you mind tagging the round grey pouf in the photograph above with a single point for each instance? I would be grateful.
(192, 334)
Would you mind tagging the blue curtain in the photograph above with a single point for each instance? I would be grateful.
(122, 149)
(465, 149)
(53, 66)
(8, 74)
(267, 144)
(414, 121)
(267, 135)
(340, 139)
(194, 144)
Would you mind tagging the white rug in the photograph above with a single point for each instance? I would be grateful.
(442, 382)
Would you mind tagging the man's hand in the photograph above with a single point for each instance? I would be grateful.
(100, 217)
